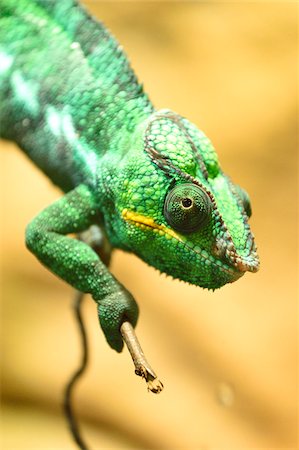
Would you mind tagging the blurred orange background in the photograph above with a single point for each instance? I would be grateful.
(228, 359)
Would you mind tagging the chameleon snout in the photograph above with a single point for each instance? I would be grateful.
(228, 253)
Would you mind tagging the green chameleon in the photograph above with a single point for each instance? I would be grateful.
(150, 180)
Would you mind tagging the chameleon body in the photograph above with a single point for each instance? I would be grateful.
(150, 179)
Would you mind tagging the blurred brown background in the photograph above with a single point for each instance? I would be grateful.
(228, 358)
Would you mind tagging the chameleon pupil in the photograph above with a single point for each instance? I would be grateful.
(187, 202)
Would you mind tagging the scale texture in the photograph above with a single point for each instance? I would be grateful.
(150, 180)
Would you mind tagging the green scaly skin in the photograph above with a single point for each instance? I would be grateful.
(70, 100)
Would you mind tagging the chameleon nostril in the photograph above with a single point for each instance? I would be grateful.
(219, 248)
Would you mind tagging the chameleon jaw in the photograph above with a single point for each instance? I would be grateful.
(234, 270)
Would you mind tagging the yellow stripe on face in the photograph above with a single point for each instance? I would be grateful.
(147, 222)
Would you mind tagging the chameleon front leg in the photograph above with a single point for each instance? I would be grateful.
(79, 265)
(96, 238)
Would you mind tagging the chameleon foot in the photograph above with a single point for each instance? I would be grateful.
(142, 367)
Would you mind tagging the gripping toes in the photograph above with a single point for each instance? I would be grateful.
(114, 309)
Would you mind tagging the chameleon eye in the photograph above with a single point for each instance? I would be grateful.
(187, 208)
(245, 200)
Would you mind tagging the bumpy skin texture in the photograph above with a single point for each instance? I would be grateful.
(70, 100)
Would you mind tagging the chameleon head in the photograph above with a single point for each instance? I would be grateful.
(180, 212)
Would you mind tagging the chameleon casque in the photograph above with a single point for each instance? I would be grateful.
(150, 180)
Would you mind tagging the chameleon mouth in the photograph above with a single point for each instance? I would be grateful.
(143, 222)
(247, 264)
(243, 260)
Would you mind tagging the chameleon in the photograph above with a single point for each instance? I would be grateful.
(149, 179)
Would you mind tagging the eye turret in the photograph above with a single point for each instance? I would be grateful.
(187, 208)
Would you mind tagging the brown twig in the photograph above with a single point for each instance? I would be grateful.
(142, 367)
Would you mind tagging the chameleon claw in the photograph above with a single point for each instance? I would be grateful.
(142, 367)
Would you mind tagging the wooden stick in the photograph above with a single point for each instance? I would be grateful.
(142, 367)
